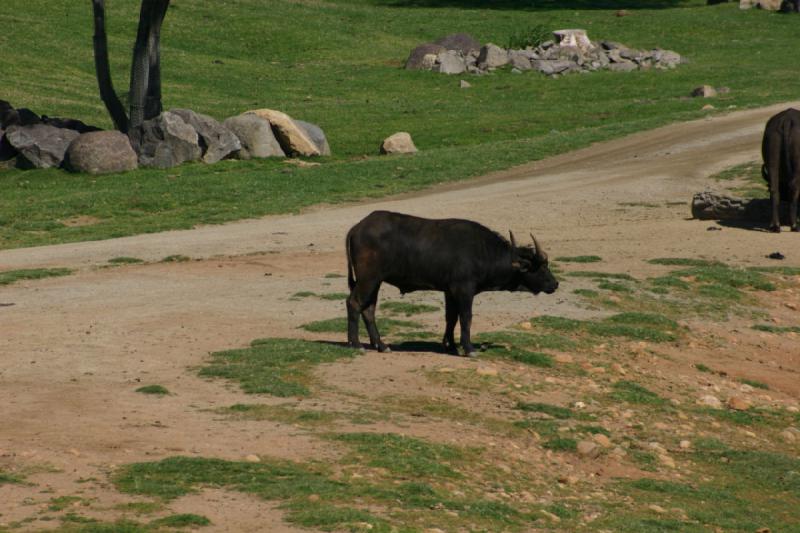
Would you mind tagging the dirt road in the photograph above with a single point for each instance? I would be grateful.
(74, 349)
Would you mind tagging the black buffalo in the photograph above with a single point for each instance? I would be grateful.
(458, 257)
(780, 149)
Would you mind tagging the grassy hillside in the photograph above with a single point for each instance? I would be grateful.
(338, 63)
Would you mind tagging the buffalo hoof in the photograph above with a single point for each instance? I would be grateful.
(473, 354)
(794, 228)
(384, 349)
(775, 229)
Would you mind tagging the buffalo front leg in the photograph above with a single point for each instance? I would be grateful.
(793, 205)
(451, 317)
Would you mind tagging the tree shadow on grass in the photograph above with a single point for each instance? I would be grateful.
(539, 5)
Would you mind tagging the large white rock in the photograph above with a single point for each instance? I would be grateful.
(398, 143)
(574, 37)
(294, 140)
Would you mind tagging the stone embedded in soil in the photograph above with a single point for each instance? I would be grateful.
(710, 400)
(737, 403)
(588, 448)
(685, 445)
(563, 358)
(657, 509)
(252, 458)
(602, 440)
(793, 409)
(788, 436)
(486, 371)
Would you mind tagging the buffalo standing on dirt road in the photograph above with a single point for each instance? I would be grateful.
(780, 149)
(458, 257)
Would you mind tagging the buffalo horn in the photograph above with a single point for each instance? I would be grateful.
(539, 252)
(513, 241)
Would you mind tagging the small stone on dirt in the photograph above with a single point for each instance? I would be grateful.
(525, 325)
(737, 403)
(252, 458)
(788, 436)
(464, 84)
(709, 400)
(657, 508)
(550, 516)
(486, 371)
(602, 440)
(588, 448)
(685, 445)
(563, 358)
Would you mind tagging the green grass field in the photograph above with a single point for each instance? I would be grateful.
(338, 63)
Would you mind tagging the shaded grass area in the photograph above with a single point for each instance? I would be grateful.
(11, 276)
(580, 259)
(156, 390)
(280, 367)
(5, 477)
(352, 84)
(407, 308)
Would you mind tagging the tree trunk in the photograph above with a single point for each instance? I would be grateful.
(145, 93)
(104, 82)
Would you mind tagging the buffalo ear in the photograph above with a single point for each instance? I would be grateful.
(521, 265)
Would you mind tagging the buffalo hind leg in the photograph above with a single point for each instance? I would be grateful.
(451, 317)
(368, 314)
(361, 301)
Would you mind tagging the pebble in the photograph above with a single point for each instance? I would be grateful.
(588, 448)
(486, 371)
(685, 445)
(563, 358)
(793, 409)
(737, 403)
(602, 440)
(709, 400)
(464, 84)
(788, 436)
(656, 508)
(666, 460)
(579, 405)
(446, 370)
(616, 367)
(252, 458)
(550, 516)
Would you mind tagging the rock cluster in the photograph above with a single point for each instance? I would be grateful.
(172, 138)
(569, 51)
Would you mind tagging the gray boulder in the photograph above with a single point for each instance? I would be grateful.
(216, 141)
(622, 66)
(416, 59)
(451, 62)
(7, 152)
(316, 135)
(40, 145)
(101, 152)
(256, 137)
(492, 56)
(463, 42)
(519, 59)
(167, 141)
